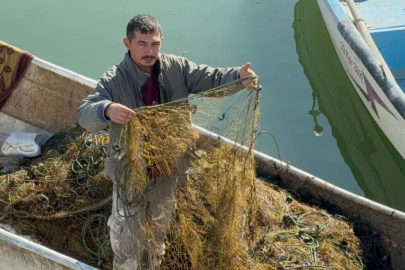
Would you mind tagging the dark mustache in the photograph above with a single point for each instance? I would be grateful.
(148, 56)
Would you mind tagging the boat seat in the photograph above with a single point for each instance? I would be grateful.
(373, 12)
(391, 43)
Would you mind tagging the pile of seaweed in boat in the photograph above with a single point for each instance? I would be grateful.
(225, 218)
(66, 209)
(62, 198)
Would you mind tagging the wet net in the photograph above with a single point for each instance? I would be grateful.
(216, 202)
(218, 215)
(62, 198)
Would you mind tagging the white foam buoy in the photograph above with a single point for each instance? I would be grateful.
(21, 143)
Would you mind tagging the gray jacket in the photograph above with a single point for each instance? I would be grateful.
(122, 84)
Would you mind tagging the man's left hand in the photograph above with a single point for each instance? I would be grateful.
(246, 71)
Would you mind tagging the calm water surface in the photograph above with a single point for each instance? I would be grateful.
(305, 91)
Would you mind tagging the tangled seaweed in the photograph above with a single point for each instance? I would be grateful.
(63, 190)
(211, 230)
(225, 218)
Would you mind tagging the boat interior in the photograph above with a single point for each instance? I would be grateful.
(388, 32)
(43, 102)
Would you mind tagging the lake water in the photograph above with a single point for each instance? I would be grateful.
(305, 90)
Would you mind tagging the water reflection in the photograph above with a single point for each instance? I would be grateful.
(375, 164)
(314, 112)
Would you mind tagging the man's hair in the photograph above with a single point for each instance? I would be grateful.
(144, 23)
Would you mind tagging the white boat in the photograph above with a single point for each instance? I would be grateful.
(45, 101)
(369, 39)
(375, 164)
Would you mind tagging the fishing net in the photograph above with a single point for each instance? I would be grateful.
(223, 217)
(62, 198)
(216, 203)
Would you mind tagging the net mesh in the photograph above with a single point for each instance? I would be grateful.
(216, 203)
(223, 217)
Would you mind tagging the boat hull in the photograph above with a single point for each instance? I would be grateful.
(19, 253)
(376, 87)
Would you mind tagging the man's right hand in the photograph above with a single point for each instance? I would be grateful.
(246, 71)
(119, 113)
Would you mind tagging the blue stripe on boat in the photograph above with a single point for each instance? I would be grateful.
(391, 43)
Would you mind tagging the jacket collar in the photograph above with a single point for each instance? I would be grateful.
(138, 75)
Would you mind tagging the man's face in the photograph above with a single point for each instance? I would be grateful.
(144, 49)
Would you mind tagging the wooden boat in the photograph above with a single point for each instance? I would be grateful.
(368, 37)
(46, 100)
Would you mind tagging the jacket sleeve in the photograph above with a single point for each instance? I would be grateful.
(91, 112)
(200, 78)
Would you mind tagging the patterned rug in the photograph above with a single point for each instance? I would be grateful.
(13, 63)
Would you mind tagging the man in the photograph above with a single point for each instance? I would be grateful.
(143, 78)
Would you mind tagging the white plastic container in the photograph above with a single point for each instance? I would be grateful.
(21, 143)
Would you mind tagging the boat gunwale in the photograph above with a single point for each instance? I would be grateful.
(262, 159)
(43, 251)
